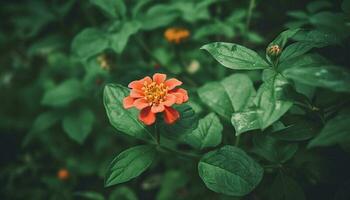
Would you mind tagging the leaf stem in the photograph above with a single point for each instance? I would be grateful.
(238, 138)
(181, 153)
(274, 166)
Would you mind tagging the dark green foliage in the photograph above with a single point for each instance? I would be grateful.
(267, 118)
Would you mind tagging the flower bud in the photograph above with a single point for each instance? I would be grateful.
(273, 50)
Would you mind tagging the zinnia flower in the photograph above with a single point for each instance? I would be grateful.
(176, 35)
(157, 95)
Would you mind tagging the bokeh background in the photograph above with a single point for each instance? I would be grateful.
(55, 138)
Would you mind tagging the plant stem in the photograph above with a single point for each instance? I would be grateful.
(274, 166)
(148, 51)
(181, 153)
(249, 16)
(157, 133)
(237, 140)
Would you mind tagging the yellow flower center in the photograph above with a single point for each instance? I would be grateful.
(154, 93)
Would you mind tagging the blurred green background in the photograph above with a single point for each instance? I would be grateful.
(56, 56)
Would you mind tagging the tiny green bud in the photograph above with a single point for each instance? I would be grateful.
(273, 50)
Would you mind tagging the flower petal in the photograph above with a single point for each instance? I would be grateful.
(172, 83)
(159, 78)
(170, 99)
(136, 93)
(141, 103)
(170, 115)
(138, 84)
(128, 102)
(157, 108)
(146, 116)
(181, 95)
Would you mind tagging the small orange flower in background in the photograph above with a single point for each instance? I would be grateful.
(176, 35)
(157, 95)
(63, 174)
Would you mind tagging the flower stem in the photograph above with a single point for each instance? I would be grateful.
(249, 16)
(148, 51)
(156, 130)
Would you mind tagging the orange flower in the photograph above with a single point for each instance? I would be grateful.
(176, 35)
(156, 96)
(63, 174)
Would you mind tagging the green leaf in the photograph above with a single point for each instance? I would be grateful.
(288, 189)
(297, 128)
(306, 59)
(136, 9)
(245, 121)
(270, 105)
(207, 134)
(78, 125)
(235, 56)
(44, 121)
(298, 14)
(230, 171)
(282, 38)
(93, 41)
(41, 123)
(90, 42)
(194, 11)
(63, 94)
(172, 181)
(123, 193)
(130, 164)
(124, 120)
(214, 95)
(335, 131)
(326, 76)
(316, 38)
(270, 101)
(187, 122)
(113, 8)
(158, 16)
(316, 6)
(273, 150)
(234, 93)
(119, 38)
(255, 38)
(294, 50)
(91, 195)
(217, 28)
(240, 90)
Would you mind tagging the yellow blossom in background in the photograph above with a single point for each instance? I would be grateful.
(103, 62)
(176, 34)
(193, 67)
